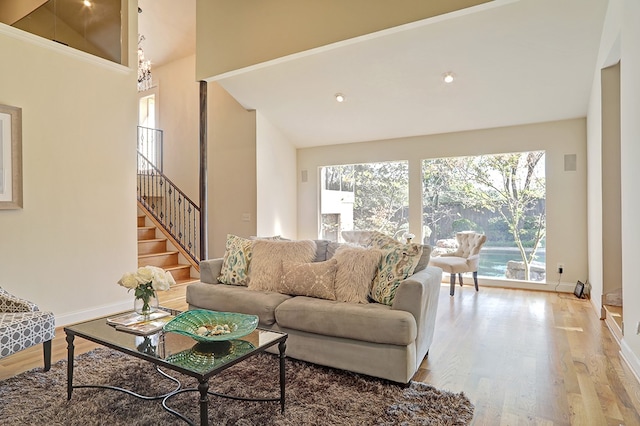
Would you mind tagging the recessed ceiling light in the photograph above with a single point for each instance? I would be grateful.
(87, 3)
(340, 97)
(448, 77)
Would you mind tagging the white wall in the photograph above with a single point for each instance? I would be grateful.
(566, 190)
(177, 102)
(611, 200)
(76, 235)
(608, 55)
(630, 175)
(276, 181)
(231, 169)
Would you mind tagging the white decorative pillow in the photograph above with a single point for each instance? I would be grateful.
(357, 267)
(265, 269)
(315, 279)
(235, 263)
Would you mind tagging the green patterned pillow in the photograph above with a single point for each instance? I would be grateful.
(396, 265)
(235, 264)
(398, 262)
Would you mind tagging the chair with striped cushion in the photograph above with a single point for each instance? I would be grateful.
(22, 325)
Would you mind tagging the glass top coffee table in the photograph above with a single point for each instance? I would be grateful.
(179, 353)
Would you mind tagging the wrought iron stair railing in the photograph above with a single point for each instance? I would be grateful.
(177, 214)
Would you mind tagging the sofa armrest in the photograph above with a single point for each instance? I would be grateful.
(210, 270)
(419, 294)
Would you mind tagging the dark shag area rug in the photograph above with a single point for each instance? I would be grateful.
(315, 395)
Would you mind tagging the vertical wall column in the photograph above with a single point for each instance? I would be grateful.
(204, 233)
(611, 190)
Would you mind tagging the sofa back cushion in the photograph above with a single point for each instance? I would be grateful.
(265, 269)
(424, 258)
(321, 250)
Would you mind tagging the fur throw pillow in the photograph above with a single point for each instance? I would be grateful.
(265, 269)
(356, 269)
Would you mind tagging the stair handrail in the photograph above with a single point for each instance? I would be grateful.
(170, 206)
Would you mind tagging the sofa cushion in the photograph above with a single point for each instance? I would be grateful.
(235, 263)
(265, 269)
(321, 250)
(21, 330)
(229, 298)
(370, 322)
(315, 279)
(425, 258)
(357, 267)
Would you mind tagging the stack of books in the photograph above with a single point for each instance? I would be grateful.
(132, 322)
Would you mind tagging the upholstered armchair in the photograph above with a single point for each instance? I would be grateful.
(23, 325)
(464, 259)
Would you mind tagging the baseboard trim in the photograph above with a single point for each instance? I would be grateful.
(630, 359)
(84, 315)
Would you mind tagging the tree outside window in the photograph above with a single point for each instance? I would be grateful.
(370, 196)
(501, 195)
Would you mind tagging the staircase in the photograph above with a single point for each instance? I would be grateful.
(154, 249)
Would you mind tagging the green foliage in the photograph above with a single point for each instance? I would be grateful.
(458, 194)
(509, 186)
(463, 224)
(380, 194)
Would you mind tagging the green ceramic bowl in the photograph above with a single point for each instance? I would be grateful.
(205, 356)
(187, 323)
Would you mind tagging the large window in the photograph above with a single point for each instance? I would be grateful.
(371, 196)
(500, 195)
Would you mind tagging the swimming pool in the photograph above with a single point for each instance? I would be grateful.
(493, 260)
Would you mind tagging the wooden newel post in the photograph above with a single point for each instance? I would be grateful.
(203, 172)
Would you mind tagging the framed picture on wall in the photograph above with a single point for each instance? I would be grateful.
(10, 157)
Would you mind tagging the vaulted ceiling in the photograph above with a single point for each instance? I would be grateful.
(515, 62)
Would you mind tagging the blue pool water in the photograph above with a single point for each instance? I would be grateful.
(493, 260)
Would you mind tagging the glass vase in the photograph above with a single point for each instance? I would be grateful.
(146, 307)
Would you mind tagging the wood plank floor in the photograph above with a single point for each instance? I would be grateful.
(522, 357)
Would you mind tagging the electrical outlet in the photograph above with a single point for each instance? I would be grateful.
(560, 268)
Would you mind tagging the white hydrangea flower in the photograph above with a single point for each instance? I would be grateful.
(129, 280)
(145, 274)
(157, 277)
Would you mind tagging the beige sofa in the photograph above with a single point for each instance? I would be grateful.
(374, 339)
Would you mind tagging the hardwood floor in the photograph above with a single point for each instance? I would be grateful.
(522, 358)
(525, 357)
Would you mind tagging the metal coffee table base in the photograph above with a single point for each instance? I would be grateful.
(203, 388)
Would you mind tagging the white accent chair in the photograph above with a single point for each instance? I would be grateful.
(23, 325)
(464, 259)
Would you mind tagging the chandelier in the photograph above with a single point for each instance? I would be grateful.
(144, 68)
